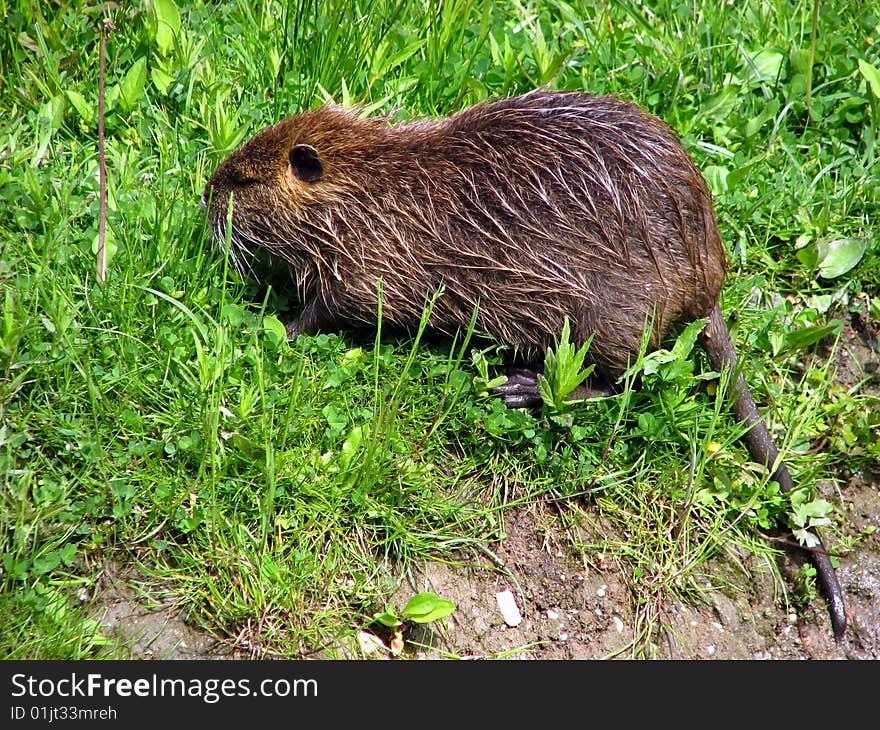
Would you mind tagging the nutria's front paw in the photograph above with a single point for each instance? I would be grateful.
(293, 329)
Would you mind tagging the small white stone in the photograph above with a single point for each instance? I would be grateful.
(552, 615)
(370, 643)
(618, 624)
(710, 650)
(509, 609)
(601, 591)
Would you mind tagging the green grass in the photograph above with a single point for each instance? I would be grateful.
(159, 421)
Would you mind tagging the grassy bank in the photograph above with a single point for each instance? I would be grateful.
(160, 422)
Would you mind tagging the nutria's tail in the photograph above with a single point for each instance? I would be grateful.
(721, 353)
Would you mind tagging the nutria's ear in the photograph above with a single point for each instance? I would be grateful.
(306, 163)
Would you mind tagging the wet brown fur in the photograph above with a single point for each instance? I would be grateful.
(535, 208)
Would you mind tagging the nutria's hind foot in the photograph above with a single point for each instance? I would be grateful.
(521, 389)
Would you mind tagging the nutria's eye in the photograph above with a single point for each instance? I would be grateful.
(306, 163)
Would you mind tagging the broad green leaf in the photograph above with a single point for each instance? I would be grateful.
(719, 106)
(110, 246)
(167, 24)
(684, 343)
(111, 96)
(83, 107)
(420, 604)
(818, 508)
(248, 446)
(716, 176)
(806, 336)
(733, 178)
(564, 420)
(352, 445)
(799, 58)
(425, 607)
(46, 563)
(767, 113)
(273, 327)
(336, 420)
(544, 388)
(354, 355)
(441, 609)
(131, 88)
(388, 618)
(233, 314)
(654, 360)
(808, 256)
(67, 553)
(765, 65)
(872, 76)
(17, 569)
(161, 80)
(838, 256)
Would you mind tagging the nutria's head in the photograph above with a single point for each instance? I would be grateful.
(296, 163)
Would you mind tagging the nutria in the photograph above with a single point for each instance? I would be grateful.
(531, 209)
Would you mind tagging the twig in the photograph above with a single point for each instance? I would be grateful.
(106, 28)
(809, 89)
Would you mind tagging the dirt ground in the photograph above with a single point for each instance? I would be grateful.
(569, 610)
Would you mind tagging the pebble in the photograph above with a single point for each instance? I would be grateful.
(369, 643)
(509, 609)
